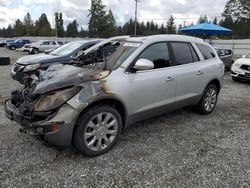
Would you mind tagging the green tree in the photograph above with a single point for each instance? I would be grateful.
(171, 28)
(128, 27)
(83, 33)
(215, 21)
(59, 24)
(43, 27)
(19, 29)
(236, 16)
(28, 25)
(162, 29)
(203, 19)
(110, 25)
(97, 19)
(72, 30)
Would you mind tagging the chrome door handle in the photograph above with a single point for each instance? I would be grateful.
(199, 73)
(169, 79)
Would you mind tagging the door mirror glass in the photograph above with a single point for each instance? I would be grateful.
(143, 64)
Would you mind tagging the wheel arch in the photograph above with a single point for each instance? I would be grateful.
(216, 82)
(113, 102)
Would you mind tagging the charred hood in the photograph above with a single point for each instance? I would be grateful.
(39, 58)
(61, 76)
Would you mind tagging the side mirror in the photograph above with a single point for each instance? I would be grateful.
(244, 56)
(143, 64)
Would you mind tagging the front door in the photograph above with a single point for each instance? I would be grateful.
(152, 91)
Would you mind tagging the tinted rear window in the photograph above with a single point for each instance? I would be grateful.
(206, 51)
(184, 53)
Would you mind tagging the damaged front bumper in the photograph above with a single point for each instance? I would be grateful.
(57, 128)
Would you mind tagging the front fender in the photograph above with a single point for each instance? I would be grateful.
(91, 93)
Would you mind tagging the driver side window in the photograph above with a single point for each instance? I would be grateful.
(157, 53)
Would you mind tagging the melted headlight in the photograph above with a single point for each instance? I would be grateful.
(31, 67)
(53, 100)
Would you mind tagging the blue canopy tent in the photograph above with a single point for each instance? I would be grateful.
(206, 29)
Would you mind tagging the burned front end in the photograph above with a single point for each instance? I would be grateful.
(51, 105)
(52, 100)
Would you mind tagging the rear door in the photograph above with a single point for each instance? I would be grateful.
(52, 45)
(189, 72)
(44, 46)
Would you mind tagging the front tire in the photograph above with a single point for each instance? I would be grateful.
(97, 130)
(34, 51)
(208, 100)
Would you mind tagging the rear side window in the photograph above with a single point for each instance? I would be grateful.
(60, 43)
(228, 52)
(158, 54)
(184, 53)
(45, 43)
(52, 43)
(206, 51)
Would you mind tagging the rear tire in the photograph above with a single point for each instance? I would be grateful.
(98, 130)
(208, 100)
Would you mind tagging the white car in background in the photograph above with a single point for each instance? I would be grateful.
(44, 45)
(241, 69)
(25, 48)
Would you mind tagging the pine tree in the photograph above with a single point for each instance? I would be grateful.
(43, 27)
(215, 21)
(83, 33)
(128, 27)
(203, 19)
(236, 16)
(19, 29)
(171, 29)
(28, 24)
(238, 9)
(97, 19)
(162, 29)
(110, 26)
(59, 24)
(72, 30)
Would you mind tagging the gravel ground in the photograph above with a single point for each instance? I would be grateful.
(178, 149)
(6, 82)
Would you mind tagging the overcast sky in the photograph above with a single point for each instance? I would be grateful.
(159, 10)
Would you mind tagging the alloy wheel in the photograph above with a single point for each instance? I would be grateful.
(101, 131)
(210, 99)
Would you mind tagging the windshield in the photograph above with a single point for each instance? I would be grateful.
(67, 48)
(112, 54)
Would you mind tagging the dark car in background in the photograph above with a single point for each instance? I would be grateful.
(3, 43)
(19, 43)
(226, 55)
(29, 65)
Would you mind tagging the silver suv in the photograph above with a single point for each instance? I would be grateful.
(43, 45)
(115, 83)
